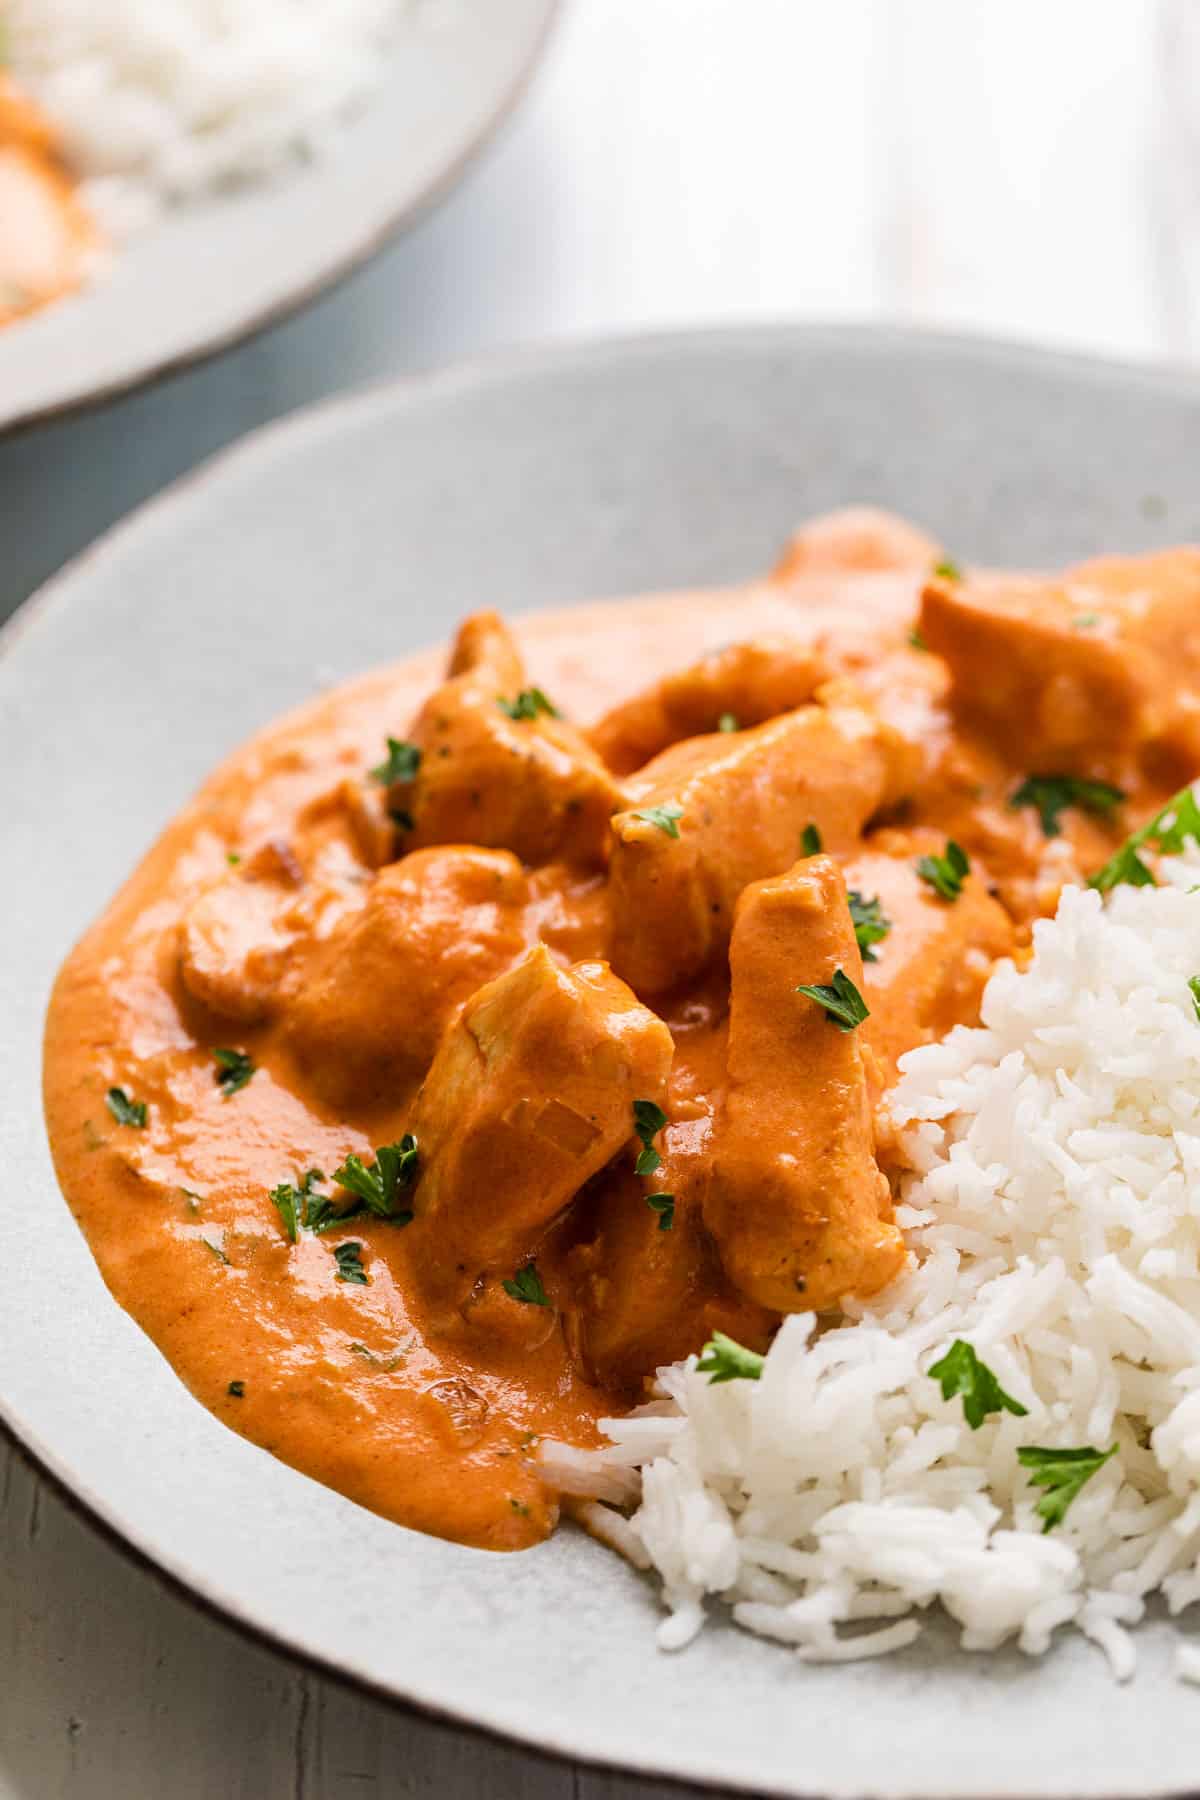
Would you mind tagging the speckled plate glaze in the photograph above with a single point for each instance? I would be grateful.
(214, 272)
(344, 538)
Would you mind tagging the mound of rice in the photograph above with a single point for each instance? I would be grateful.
(1054, 1216)
(160, 100)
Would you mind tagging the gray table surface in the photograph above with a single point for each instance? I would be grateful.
(677, 161)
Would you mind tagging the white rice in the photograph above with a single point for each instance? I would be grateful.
(1054, 1219)
(158, 101)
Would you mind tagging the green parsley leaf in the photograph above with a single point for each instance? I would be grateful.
(648, 1121)
(528, 704)
(728, 722)
(915, 639)
(664, 1206)
(947, 570)
(236, 1390)
(725, 1360)
(1085, 621)
(402, 762)
(124, 1110)
(232, 858)
(216, 1251)
(349, 1264)
(961, 1372)
(1194, 985)
(811, 842)
(946, 874)
(526, 1286)
(1062, 1473)
(234, 1070)
(842, 1001)
(301, 1209)
(377, 1185)
(664, 817)
(1050, 795)
(1168, 831)
(871, 923)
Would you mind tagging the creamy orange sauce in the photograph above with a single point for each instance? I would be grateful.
(260, 921)
(47, 239)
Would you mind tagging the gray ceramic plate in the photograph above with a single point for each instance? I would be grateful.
(214, 272)
(344, 538)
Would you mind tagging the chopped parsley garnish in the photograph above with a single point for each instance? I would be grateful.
(648, 1121)
(216, 1251)
(1062, 1473)
(349, 1264)
(665, 817)
(664, 1206)
(947, 570)
(528, 704)
(301, 1209)
(946, 874)
(961, 1372)
(124, 1110)
(402, 762)
(728, 722)
(725, 1360)
(236, 1390)
(377, 1184)
(1050, 795)
(915, 639)
(1194, 985)
(1168, 831)
(1085, 621)
(234, 1070)
(871, 923)
(811, 842)
(843, 1003)
(526, 1286)
(232, 858)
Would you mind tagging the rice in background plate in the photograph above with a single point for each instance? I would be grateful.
(159, 101)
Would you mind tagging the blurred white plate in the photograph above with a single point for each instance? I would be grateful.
(218, 270)
(344, 538)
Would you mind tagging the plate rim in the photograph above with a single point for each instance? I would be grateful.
(307, 425)
(401, 218)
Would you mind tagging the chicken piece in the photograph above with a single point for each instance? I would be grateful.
(530, 784)
(236, 938)
(736, 805)
(645, 1296)
(751, 682)
(929, 972)
(531, 1093)
(856, 539)
(1093, 669)
(368, 1005)
(796, 1201)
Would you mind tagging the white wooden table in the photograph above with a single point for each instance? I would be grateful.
(1008, 166)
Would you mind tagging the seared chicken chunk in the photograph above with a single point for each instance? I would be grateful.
(369, 1004)
(528, 783)
(715, 813)
(236, 938)
(645, 1296)
(928, 973)
(796, 1201)
(743, 683)
(1091, 671)
(859, 539)
(530, 1093)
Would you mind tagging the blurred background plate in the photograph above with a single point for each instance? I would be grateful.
(215, 271)
(346, 537)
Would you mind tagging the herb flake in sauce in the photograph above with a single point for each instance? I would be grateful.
(401, 764)
(234, 1069)
(1051, 795)
(124, 1110)
(843, 1003)
(526, 1286)
(945, 874)
(871, 923)
(648, 1121)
